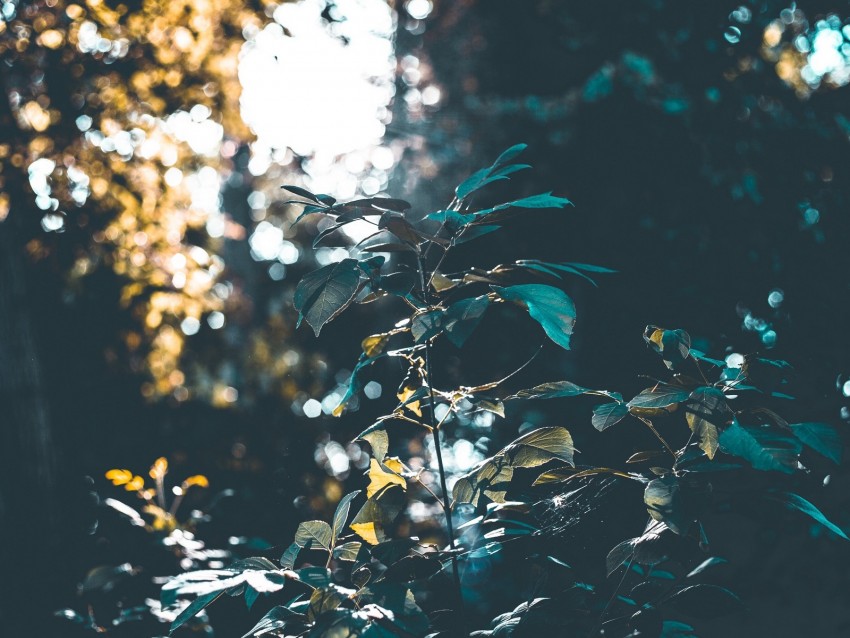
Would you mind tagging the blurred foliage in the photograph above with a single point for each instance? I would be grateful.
(123, 119)
(705, 143)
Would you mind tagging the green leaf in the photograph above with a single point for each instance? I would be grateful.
(666, 503)
(194, 608)
(324, 293)
(797, 502)
(549, 306)
(426, 325)
(762, 447)
(341, 515)
(287, 560)
(314, 576)
(348, 551)
(660, 396)
(377, 513)
(314, 533)
(708, 414)
(376, 436)
(821, 437)
(541, 446)
(550, 390)
(608, 414)
(462, 318)
(324, 599)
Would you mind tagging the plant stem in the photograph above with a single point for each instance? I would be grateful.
(435, 430)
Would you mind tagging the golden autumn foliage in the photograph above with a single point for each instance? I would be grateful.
(124, 118)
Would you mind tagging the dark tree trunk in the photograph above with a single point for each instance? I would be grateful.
(27, 464)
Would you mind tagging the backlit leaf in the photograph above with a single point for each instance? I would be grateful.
(315, 534)
(462, 317)
(341, 515)
(550, 390)
(708, 415)
(608, 414)
(324, 293)
(384, 473)
(666, 503)
(541, 446)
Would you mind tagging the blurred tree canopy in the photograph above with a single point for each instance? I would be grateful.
(705, 144)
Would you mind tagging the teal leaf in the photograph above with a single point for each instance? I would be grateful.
(797, 502)
(462, 318)
(608, 414)
(549, 306)
(763, 448)
(287, 560)
(474, 232)
(451, 218)
(660, 396)
(341, 515)
(500, 169)
(355, 382)
(541, 200)
(426, 325)
(324, 293)
(551, 390)
(507, 155)
(472, 183)
(821, 437)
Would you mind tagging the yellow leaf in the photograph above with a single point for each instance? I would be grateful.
(379, 477)
(162, 520)
(135, 484)
(369, 532)
(440, 282)
(159, 468)
(198, 479)
(374, 344)
(413, 406)
(119, 477)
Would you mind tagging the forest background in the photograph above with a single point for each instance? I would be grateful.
(148, 262)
